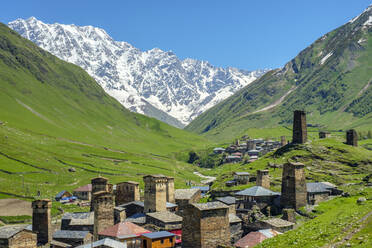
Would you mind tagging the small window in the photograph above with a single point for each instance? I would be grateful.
(162, 241)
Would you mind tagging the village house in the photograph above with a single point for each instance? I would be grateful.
(84, 192)
(218, 150)
(125, 232)
(233, 159)
(254, 238)
(104, 243)
(166, 221)
(256, 195)
(230, 201)
(320, 191)
(58, 244)
(186, 196)
(80, 221)
(62, 194)
(276, 224)
(203, 189)
(323, 135)
(241, 177)
(17, 237)
(161, 239)
(74, 238)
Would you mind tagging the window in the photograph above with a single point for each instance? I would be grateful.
(162, 241)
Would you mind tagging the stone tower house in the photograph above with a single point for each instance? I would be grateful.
(206, 225)
(41, 220)
(127, 192)
(155, 193)
(263, 179)
(351, 137)
(299, 127)
(98, 184)
(294, 192)
(170, 190)
(103, 211)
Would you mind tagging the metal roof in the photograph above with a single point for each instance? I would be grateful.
(242, 173)
(158, 235)
(123, 229)
(228, 200)
(257, 191)
(318, 187)
(105, 242)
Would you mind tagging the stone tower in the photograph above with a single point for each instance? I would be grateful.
(263, 179)
(283, 141)
(127, 192)
(41, 220)
(155, 193)
(206, 225)
(251, 145)
(351, 137)
(299, 127)
(103, 211)
(98, 184)
(170, 190)
(294, 191)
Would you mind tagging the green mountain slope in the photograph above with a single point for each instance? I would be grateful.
(54, 117)
(331, 79)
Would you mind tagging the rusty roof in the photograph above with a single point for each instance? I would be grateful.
(124, 229)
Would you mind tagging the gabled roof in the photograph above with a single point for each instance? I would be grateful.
(124, 229)
(202, 188)
(185, 194)
(79, 218)
(105, 242)
(139, 218)
(60, 194)
(242, 173)
(209, 205)
(85, 188)
(158, 235)
(61, 234)
(250, 240)
(277, 222)
(257, 191)
(318, 187)
(7, 232)
(142, 204)
(228, 200)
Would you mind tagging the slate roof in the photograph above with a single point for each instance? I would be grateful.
(124, 229)
(85, 188)
(257, 191)
(185, 194)
(277, 222)
(228, 200)
(79, 218)
(138, 218)
(233, 218)
(61, 234)
(105, 242)
(165, 216)
(209, 205)
(60, 244)
(157, 235)
(9, 231)
(243, 173)
(318, 187)
(142, 204)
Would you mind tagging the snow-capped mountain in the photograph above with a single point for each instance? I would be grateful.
(154, 82)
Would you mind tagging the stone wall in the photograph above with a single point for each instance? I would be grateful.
(41, 220)
(127, 192)
(294, 192)
(263, 179)
(155, 193)
(23, 239)
(170, 190)
(299, 127)
(351, 137)
(103, 212)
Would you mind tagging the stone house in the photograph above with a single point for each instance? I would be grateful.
(317, 192)
(84, 192)
(161, 239)
(62, 194)
(241, 177)
(58, 244)
(165, 220)
(74, 238)
(276, 224)
(17, 237)
(229, 201)
(256, 195)
(236, 230)
(80, 221)
(233, 159)
(136, 207)
(184, 197)
(203, 189)
(323, 135)
(125, 232)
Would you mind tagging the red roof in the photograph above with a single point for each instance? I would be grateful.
(250, 240)
(85, 188)
(124, 229)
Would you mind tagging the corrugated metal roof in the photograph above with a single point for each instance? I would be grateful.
(157, 235)
(70, 234)
(105, 242)
(123, 229)
(318, 187)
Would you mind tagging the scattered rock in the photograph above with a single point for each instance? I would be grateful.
(361, 200)
(345, 194)
(348, 245)
(71, 169)
(1, 123)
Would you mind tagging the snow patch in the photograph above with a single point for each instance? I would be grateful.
(324, 59)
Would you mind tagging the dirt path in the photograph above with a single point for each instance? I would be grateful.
(15, 207)
(208, 180)
(349, 232)
(277, 102)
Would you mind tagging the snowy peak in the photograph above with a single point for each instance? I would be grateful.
(154, 82)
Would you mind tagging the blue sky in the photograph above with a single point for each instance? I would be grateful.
(248, 34)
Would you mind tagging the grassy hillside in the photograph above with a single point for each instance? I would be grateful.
(54, 117)
(331, 79)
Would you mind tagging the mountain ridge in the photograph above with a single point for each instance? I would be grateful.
(140, 80)
(330, 79)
